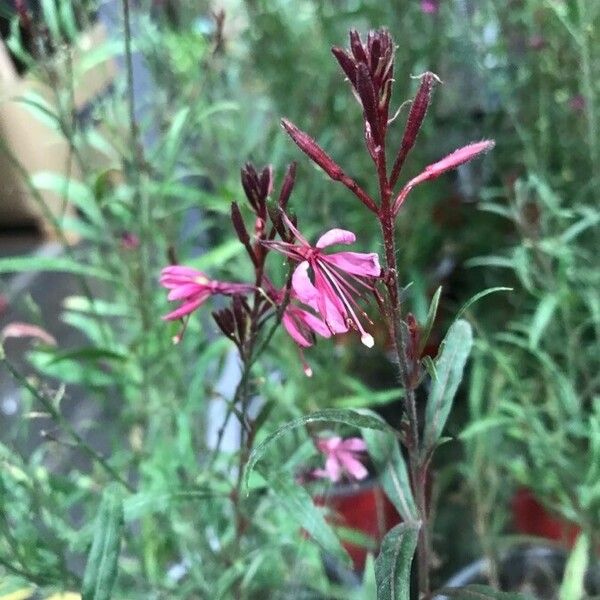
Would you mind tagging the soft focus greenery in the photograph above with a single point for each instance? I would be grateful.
(523, 72)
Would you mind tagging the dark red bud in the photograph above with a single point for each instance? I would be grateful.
(224, 320)
(347, 62)
(415, 119)
(313, 150)
(366, 92)
(238, 224)
(287, 186)
(356, 45)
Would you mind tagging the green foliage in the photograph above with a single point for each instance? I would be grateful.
(449, 368)
(392, 567)
(101, 569)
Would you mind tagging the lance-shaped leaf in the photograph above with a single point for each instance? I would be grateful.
(415, 119)
(452, 161)
(385, 453)
(449, 369)
(477, 592)
(101, 569)
(301, 507)
(344, 416)
(392, 566)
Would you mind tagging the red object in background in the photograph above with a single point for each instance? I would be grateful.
(532, 518)
(362, 507)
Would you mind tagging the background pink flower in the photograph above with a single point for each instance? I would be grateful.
(343, 458)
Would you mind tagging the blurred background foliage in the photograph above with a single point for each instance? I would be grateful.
(523, 72)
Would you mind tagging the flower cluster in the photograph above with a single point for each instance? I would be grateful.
(322, 295)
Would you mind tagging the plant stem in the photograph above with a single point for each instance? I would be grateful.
(60, 420)
(417, 469)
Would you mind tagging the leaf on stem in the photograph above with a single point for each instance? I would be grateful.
(449, 368)
(344, 416)
(385, 453)
(101, 569)
(392, 566)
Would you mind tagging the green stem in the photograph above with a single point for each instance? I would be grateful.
(64, 423)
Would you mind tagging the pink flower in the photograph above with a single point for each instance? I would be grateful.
(336, 277)
(342, 458)
(430, 7)
(192, 288)
(129, 241)
(577, 103)
(300, 324)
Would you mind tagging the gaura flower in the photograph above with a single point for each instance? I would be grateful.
(343, 458)
(337, 278)
(192, 288)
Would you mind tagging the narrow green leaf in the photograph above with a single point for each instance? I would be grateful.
(478, 297)
(72, 190)
(479, 592)
(385, 453)
(301, 507)
(101, 569)
(392, 566)
(20, 264)
(542, 316)
(431, 314)
(86, 353)
(51, 18)
(572, 587)
(449, 367)
(482, 426)
(333, 415)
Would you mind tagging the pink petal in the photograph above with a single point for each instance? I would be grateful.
(302, 285)
(295, 333)
(329, 305)
(333, 468)
(184, 291)
(355, 263)
(328, 445)
(335, 236)
(182, 271)
(353, 467)
(25, 330)
(185, 309)
(353, 445)
(314, 323)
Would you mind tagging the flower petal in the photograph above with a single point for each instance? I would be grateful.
(353, 467)
(184, 290)
(335, 236)
(353, 445)
(185, 308)
(291, 327)
(333, 468)
(302, 285)
(355, 263)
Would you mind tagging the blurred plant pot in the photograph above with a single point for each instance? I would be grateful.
(536, 571)
(530, 517)
(362, 508)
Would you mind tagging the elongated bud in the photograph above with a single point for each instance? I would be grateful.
(366, 92)
(452, 161)
(356, 45)
(287, 186)
(275, 214)
(239, 225)
(224, 320)
(257, 186)
(346, 62)
(415, 119)
(312, 150)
